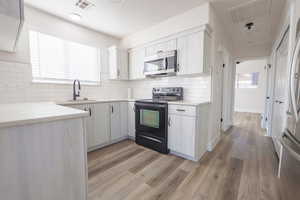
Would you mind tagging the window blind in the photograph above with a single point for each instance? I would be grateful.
(54, 59)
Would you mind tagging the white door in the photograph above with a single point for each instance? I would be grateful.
(190, 53)
(101, 115)
(280, 91)
(115, 121)
(131, 119)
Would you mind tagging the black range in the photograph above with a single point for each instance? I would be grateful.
(151, 118)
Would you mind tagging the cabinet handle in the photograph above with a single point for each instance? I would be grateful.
(177, 67)
(90, 110)
(169, 121)
(118, 73)
(112, 109)
(180, 110)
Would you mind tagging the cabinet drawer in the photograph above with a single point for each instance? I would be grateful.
(182, 110)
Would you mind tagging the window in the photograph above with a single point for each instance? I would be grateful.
(55, 60)
(247, 80)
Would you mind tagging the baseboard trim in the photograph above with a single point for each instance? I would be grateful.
(212, 144)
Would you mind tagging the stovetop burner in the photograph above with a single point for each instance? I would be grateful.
(164, 95)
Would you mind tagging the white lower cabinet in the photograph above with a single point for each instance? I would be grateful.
(97, 125)
(115, 121)
(131, 120)
(182, 134)
(106, 124)
(187, 131)
(100, 114)
(118, 120)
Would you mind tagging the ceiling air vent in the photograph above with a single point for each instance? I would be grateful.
(84, 4)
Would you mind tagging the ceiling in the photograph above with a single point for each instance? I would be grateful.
(118, 17)
(123, 17)
(265, 14)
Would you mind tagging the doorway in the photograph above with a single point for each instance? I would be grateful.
(250, 88)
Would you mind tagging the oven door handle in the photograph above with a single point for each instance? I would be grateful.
(152, 105)
(150, 138)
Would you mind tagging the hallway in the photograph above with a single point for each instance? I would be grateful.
(243, 166)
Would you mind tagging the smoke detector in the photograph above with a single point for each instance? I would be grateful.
(84, 4)
(249, 25)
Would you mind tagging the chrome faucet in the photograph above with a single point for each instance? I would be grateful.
(75, 95)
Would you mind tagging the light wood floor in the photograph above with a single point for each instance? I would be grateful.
(243, 166)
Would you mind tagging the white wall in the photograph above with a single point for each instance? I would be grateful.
(15, 69)
(252, 99)
(222, 45)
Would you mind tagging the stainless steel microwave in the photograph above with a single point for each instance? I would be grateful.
(161, 64)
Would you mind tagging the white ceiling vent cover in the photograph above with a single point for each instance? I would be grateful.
(84, 4)
(250, 11)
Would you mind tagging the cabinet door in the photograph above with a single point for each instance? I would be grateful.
(190, 53)
(207, 54)
(115, 121)
(89, 125)
(181, 134)
(187, 135)
(113, 63)
(161, 47)
(118, 64)
(123, 65)
(136, 63)
(101, 115)
(174, 133)
(131, 119)
(124, 123)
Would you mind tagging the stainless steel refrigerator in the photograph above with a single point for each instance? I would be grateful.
(289, 168)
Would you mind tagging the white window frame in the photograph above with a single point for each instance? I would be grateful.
(47, 80)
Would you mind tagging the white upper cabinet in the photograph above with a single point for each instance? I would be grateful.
(118, 63)
(11, 22)
(161, 47)
(136, 63)
(193, 53)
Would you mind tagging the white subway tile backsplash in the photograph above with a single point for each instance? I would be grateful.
(16, 86)
(195, 88)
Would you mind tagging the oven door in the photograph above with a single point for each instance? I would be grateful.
(151, 119)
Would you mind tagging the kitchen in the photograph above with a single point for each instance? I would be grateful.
(122, 91)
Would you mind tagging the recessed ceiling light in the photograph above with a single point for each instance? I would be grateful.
(75, 16)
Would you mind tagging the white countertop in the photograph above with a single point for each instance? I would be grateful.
(91, 101)
(94, 101)
(29, 113)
